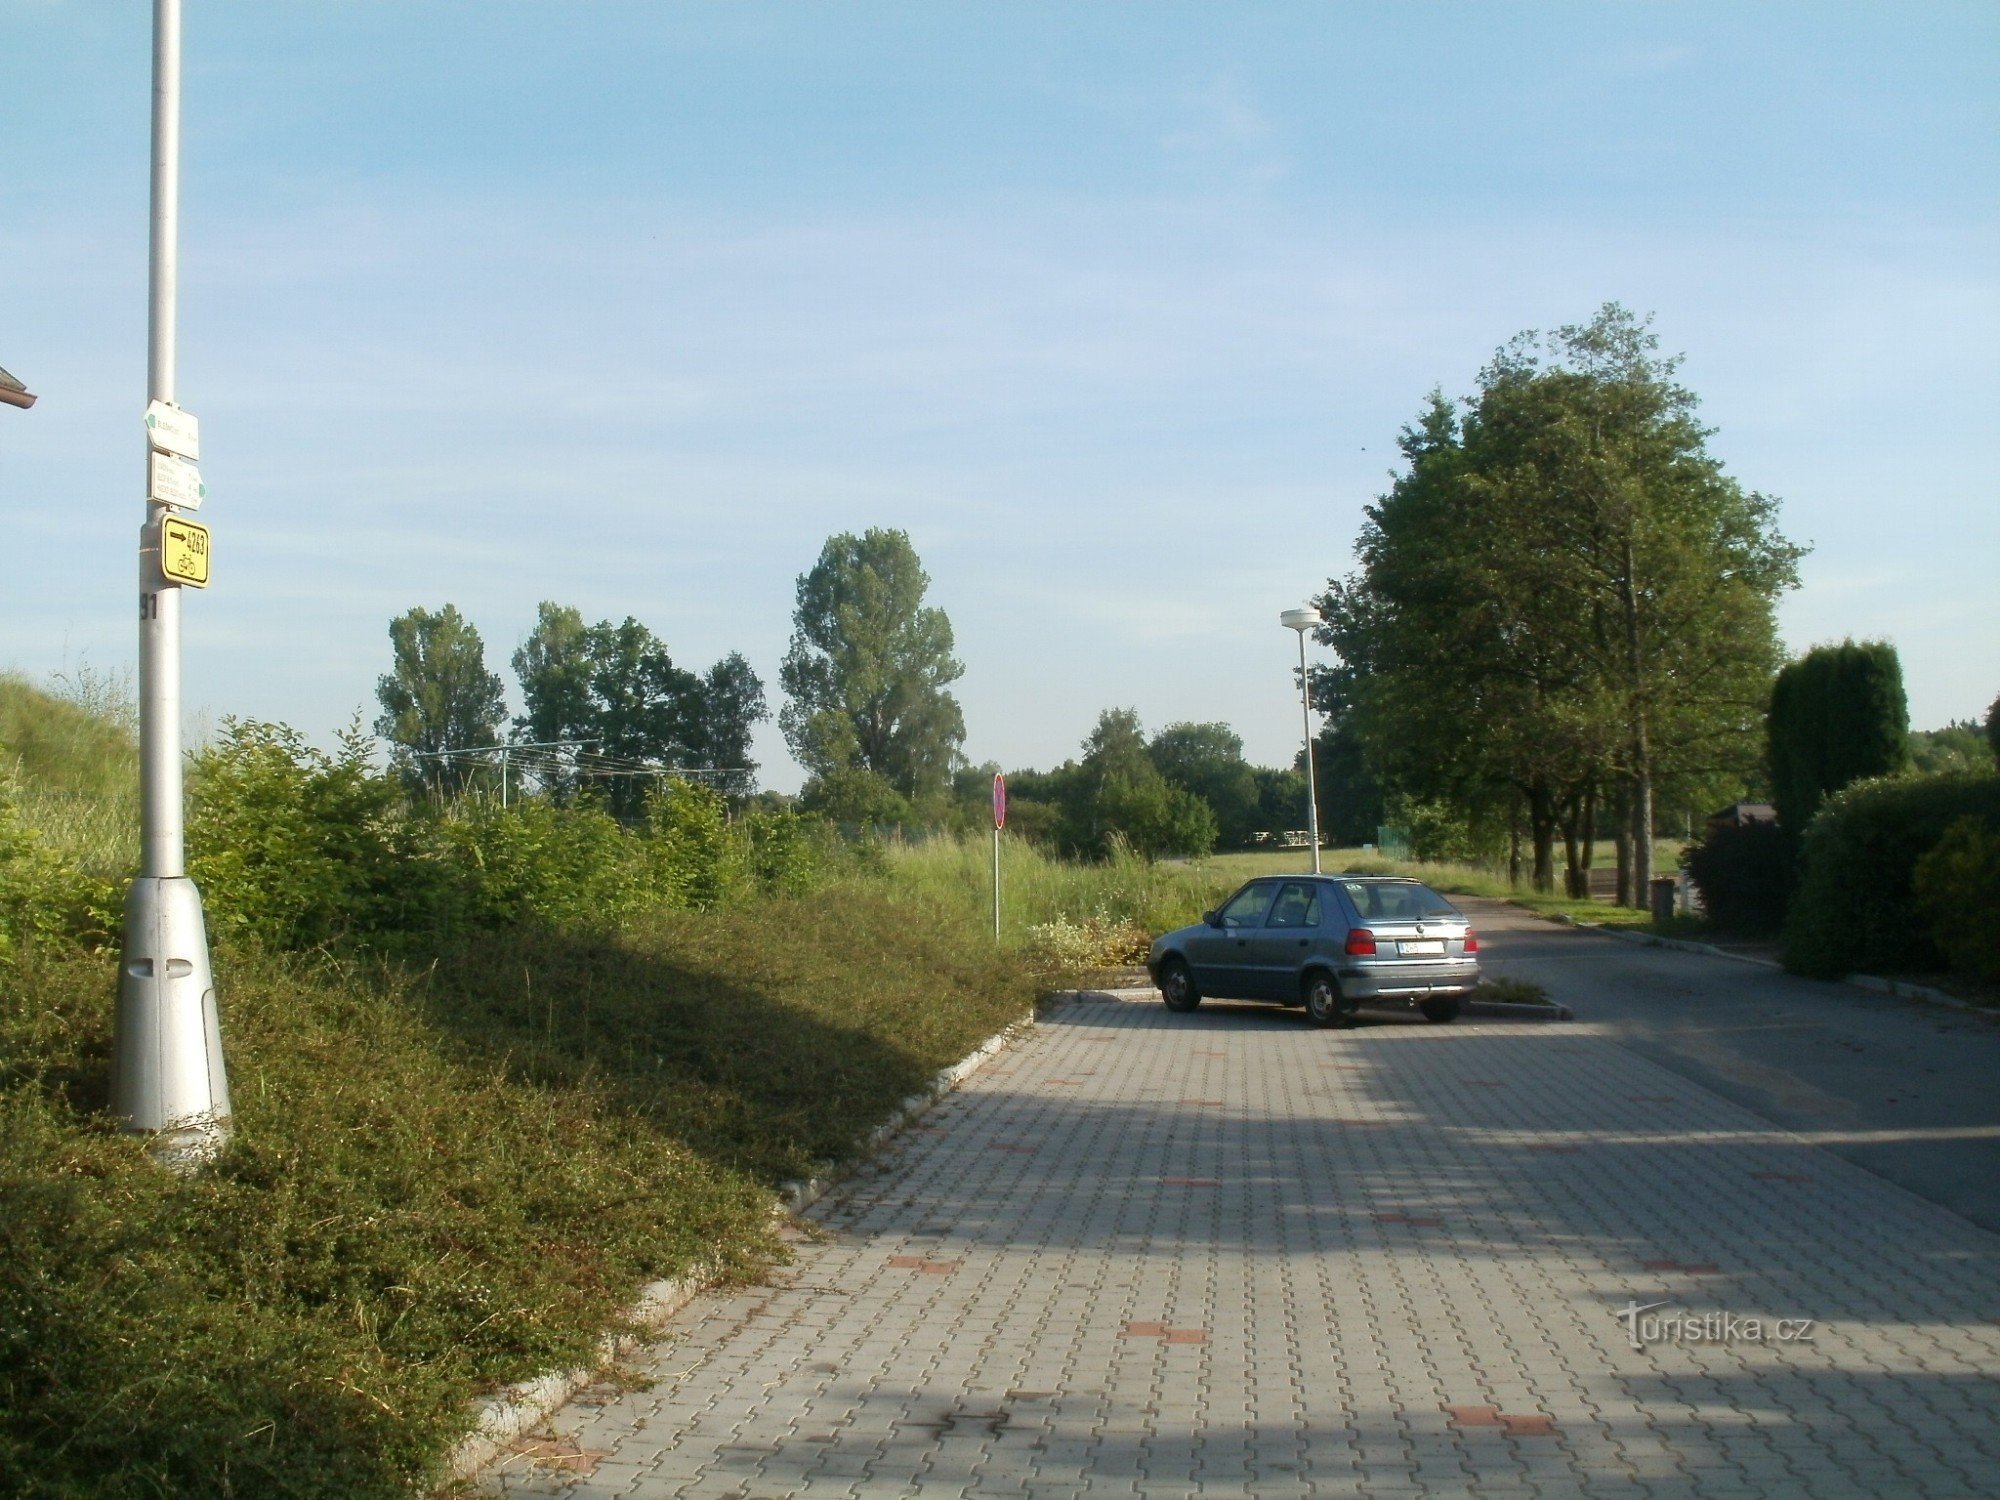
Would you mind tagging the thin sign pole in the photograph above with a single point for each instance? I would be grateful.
(167, 1070)
(999, 822)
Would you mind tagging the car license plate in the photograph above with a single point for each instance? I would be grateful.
(1421, 950)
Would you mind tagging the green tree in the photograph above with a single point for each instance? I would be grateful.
(1207, 761)
(617, 688)
(1281, 798)
(1956, 747)
(1993, 728)
(438, 696)
(856, 798)
(1837, 715)
(553, 668)
(1564, 596)
(868, 668)
(1118, 794)
(648, 711)
(1350, 795)
(732, 705)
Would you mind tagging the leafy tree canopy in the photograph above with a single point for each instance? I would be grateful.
(869, 666)
(1207, 760)
(618, 688)
(1562, 591)
(1959, 746)
(438, 696)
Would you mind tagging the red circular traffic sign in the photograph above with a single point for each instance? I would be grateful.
(999, 800)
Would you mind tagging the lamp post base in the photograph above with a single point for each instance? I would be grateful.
(167, 1076)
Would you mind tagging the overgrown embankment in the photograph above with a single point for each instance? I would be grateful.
(491, 1072)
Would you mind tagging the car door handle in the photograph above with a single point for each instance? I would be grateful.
(1305, 942)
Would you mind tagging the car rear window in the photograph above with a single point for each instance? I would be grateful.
(1397, 901)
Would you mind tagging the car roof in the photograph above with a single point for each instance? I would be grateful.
(1340, 875)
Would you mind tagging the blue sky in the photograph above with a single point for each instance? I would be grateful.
(1116, 308)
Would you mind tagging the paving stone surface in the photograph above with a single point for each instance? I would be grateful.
(1229, 1254)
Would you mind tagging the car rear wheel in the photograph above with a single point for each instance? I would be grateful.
(1323, 1001)
(1177, 986)
(1442, 1010)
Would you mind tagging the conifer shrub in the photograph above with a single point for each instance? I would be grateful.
(1837, 715)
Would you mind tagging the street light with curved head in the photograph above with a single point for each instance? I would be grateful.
(1304, 619)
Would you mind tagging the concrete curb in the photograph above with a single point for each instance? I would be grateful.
(1510, 1010)
(796, 1197)
(516, 1410)
(1901, 989)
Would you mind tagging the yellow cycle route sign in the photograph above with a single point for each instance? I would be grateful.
(184, 551)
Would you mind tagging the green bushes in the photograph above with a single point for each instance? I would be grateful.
(1746, 873)
(1853, 910)
(294, 848)
(1956, 890)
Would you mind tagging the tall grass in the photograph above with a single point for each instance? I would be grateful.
(441, 1176)
(1038, 888)
(72, 750)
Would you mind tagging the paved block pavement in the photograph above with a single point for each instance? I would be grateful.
(1229, 1254)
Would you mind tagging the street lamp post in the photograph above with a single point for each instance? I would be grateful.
(167, 1070)
(1302, 620)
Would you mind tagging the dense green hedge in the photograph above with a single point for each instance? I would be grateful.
(1853, 911)
(1957, 888)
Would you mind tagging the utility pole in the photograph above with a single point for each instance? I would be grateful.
(1303, 619)
(167, 1070)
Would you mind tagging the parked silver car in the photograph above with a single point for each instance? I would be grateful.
(1331, 943)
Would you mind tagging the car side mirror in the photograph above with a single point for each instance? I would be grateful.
(1212, 918)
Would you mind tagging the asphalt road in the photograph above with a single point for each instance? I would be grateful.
(1906, 1089)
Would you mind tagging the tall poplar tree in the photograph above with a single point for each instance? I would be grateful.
(438, 696)
(869, 666)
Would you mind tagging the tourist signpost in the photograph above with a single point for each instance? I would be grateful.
(167, 1074)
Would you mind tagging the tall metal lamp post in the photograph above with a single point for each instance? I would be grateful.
(1302, 620)
(167, 1071)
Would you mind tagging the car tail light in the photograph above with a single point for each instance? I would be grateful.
(1360, 943)
(1471, 941)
